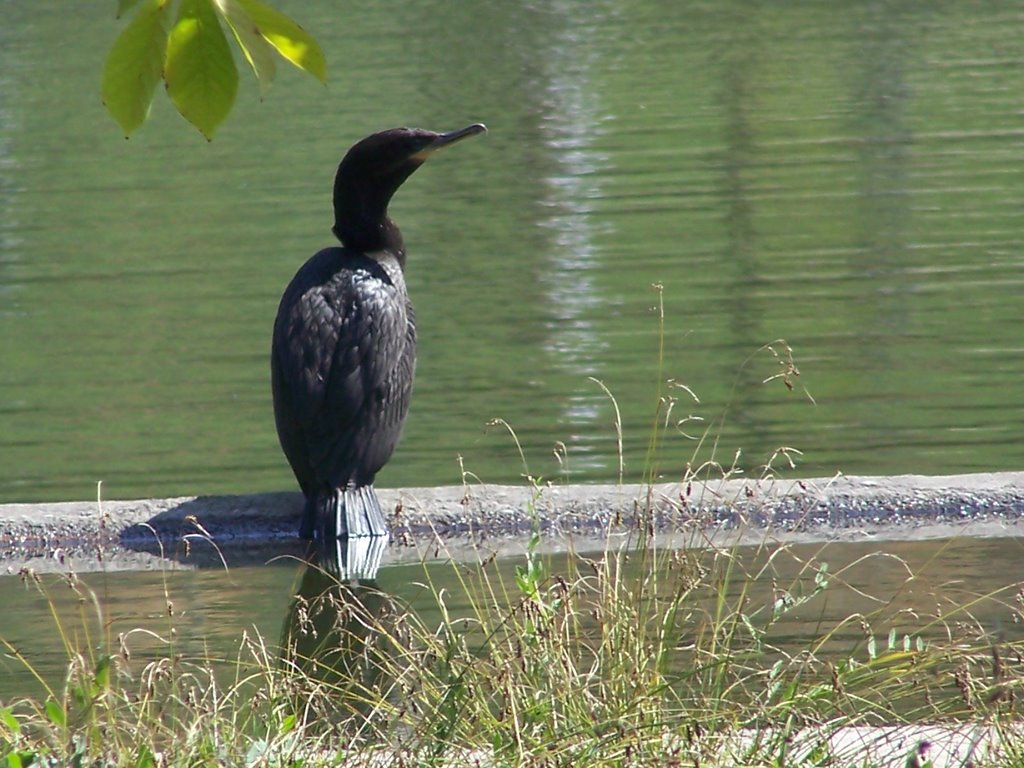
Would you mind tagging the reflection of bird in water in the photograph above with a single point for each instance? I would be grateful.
(344, 347)
(337, 636)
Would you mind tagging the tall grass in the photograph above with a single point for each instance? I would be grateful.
(635, 655)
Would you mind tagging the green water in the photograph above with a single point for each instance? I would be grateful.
(893, 585)
(847, 177)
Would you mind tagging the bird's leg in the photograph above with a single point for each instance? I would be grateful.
(308, 524)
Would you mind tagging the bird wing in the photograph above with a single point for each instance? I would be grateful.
(342, 342)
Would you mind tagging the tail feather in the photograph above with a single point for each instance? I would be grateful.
(349, 512)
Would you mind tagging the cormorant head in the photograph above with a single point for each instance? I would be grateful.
(370, 173)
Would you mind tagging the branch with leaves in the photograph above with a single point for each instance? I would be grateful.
(188, 50)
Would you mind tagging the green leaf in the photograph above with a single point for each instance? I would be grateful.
(200, 73)
(102, 676)
(288, 724)
(258, 52)
(134, 65)
(144, 757)
(125, 5)
(81, 695)
(55, 712)
(8, 719)
(288, 38)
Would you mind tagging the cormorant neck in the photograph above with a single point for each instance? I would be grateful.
(361, 208)
(368, 236)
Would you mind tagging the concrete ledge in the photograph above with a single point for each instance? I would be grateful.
(905, 506)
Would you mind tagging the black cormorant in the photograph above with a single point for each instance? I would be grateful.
(344, 347)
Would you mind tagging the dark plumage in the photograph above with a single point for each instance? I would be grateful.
(344, 347)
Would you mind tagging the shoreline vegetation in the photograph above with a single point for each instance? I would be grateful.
(639, 655)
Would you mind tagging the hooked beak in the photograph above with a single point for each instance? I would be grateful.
(445, 139)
